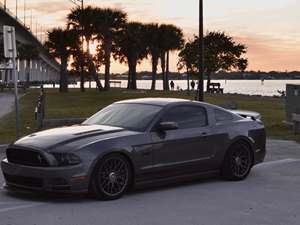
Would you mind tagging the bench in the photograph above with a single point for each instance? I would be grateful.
(296, 121)
(215, 88)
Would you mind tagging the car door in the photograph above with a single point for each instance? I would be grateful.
(186, 149)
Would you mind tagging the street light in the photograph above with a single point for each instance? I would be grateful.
(16, 8)
(200, 91)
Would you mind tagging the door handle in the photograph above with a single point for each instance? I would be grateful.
(204, 134)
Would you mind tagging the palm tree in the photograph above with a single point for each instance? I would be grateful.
(131, 48)
(171, 40)
(153, 42)
(83, 21)
(108, 22)
(60, 44)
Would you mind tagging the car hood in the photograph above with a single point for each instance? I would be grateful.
(52, 138)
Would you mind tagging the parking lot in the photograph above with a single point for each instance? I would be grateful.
(271, 195)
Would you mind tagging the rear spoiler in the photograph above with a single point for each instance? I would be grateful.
(247, 114)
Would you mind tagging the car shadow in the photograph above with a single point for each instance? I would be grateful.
(86, 198)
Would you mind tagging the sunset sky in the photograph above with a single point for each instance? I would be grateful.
(270, 28)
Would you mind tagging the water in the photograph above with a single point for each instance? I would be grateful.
(247, 87)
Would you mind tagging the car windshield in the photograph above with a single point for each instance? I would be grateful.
(130, 116)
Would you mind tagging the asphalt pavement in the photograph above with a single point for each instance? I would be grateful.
(270, 196)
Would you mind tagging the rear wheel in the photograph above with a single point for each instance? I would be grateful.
(111, 177)
(238, 162)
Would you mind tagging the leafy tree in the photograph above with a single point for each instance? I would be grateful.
(171, 40)
(221, 53)
(108, 22)
(131, 48)
(83, 22)
(60, 45)
(187, 59)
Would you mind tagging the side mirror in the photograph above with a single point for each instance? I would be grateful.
(164, 126)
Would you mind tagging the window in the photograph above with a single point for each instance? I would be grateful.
(129, 116)
(222, 115)
(186, 116)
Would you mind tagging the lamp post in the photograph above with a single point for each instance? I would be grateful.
(200, 91)
(16, 8)
(24, 13)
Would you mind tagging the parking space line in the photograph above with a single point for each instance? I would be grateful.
(273, 163)
(20, 207)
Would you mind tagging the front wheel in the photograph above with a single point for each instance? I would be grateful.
(111, 177)
(238, 162)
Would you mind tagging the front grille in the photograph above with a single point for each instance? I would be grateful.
(26, 157)
(24, 181)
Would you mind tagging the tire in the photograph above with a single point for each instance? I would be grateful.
(111, 177)
(238, 162)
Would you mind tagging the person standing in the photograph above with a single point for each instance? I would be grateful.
(193, 85)
(172, 84)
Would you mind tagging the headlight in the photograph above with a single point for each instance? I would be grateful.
(66, 159)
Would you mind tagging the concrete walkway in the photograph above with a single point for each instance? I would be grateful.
(6, 103)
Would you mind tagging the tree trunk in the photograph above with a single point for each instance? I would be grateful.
(188, 82)
(132, 74)
(154, 71)
(93, 72)
(208, 81)
(129, 77)
(82, 80)
(82, 89)
(107, 49)
(92, 67)
(167, 71)
(63, 86)
(163, 69)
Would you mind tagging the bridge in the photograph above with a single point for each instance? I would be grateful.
(44, 69)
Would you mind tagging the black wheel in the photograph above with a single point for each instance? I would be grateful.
(238, 162)
(111, 177)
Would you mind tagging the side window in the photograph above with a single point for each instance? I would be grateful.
(186, 116)
(222, 115)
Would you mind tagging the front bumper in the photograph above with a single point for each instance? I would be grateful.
(45, 179)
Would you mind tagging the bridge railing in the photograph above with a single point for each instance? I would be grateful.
(8, 11)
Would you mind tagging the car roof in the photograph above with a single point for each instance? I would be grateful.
(155, 101)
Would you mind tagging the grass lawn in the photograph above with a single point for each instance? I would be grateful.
(75, 104)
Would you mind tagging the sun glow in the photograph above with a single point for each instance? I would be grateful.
(92, 46)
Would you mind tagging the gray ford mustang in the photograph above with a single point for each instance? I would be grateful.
(135, 143)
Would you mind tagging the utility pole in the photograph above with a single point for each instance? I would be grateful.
(10, 52)
(25, 13)
(5, 5)
(200, 91)
(31, 22)
(17, 9)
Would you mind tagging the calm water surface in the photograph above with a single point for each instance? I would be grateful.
(248, 87)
